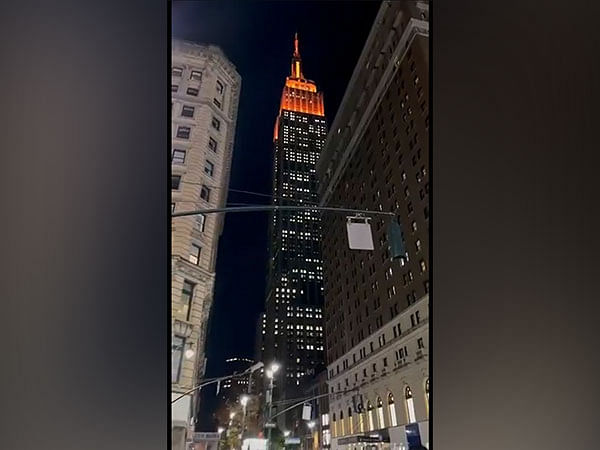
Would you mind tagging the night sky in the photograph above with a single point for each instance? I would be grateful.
(258, 38)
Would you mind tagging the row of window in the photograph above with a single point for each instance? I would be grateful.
(415, 319)
(367, 420)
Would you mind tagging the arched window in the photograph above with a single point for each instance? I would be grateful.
(342, 433)
(392, 410)
(410, 405)
(370, 416)
(361, 418)
(380, 417)
(334, 425)
(350, 424)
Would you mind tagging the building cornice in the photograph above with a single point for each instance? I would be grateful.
(208, 51)
(405, 336)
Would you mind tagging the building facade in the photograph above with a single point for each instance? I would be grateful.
(205, 89)
(291, 329)
(376, 157)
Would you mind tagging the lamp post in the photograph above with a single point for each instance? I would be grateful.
(270, 372)
(244, 401)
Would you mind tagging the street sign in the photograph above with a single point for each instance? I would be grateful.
(306, 411)
(292, 441)
(359, 233)
(270, 425)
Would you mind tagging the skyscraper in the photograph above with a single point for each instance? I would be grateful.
(292, 327)
(205, 89)
(376, 309)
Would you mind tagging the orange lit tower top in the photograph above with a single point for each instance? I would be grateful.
(299, 94)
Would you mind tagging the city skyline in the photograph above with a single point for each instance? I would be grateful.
(245, 240)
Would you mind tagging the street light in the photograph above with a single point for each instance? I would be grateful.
(220, 431)
(270, 372)
(244, 401)
(311, 424)
(286, 433)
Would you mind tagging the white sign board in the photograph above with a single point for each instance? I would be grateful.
(306, 412)
(292, 440)
(254, 444)
(359, 234)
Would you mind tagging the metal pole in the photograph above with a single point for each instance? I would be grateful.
(270, 409)
(279, 208)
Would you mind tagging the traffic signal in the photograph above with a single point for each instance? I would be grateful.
(396, 239)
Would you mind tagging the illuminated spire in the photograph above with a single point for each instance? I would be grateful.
(296, 52)
(296, 70)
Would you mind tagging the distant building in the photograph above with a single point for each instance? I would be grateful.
(205, 89)
(376, 309)
(292, 325)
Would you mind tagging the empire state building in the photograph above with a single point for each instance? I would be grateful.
(292, 324)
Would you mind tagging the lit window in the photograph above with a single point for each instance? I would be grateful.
(195, 254)
(176, 71)
(380, 416)
(201, 221)
(410, 406)
(196, 75)
(178, 156)
(370, 416)
(392, 410)
(209, 168)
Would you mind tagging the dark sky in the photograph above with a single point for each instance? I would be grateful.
(258, 38)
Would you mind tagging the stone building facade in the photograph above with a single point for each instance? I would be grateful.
(376, 157)
(205, 90)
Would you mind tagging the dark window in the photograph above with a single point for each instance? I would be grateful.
(174, 88)
(183, 132)
(175, 181)
(192, 91)
(178, 156)
(220, 87)
(187, 111)
(205, 193)
(420, 343)
(177, 71)
(212, 144)
(196, 75)
(216, 124)
(217, 102)
(385, 363)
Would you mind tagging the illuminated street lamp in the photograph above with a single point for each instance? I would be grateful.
(286, 433)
